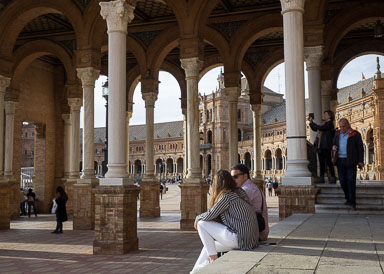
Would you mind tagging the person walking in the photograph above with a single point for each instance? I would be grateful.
(350, 154)
(61, 210)
(269, 187)
(31, 201)
(323, 144)
(237, 229)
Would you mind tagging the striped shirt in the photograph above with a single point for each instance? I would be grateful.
(238, 216)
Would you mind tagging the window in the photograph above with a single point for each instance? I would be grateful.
(239, 115)
(26, 134)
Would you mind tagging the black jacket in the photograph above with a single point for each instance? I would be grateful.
(61, 211)
(327, 132)
(355, 149)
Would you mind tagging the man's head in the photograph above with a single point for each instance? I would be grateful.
(240, 173)
(344, 125)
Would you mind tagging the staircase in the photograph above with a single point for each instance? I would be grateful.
(369, 198)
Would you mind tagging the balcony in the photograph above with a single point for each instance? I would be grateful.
(205, 146)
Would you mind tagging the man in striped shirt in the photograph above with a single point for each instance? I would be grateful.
(240, 173)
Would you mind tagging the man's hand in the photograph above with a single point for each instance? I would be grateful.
(310, 119)
(335, 148)
(361, 165)
(196, 222)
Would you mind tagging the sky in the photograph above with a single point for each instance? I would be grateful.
(168, 107)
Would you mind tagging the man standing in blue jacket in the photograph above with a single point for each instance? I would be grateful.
(350, 154)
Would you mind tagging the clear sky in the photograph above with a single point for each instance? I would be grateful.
(168, 107)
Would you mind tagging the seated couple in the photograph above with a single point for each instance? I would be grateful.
(231, 221)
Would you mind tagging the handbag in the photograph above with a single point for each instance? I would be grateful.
(260, 218)
(54, 207)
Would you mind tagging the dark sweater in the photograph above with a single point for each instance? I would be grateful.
(355, 149)
(327, 133)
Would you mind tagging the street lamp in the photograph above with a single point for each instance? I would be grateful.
(105, 93)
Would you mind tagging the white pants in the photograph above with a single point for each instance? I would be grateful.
(216, 238)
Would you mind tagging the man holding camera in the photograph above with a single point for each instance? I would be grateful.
(350, 153)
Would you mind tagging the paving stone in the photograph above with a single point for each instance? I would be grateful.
(282, 260)
(332, 269)
(262, 269)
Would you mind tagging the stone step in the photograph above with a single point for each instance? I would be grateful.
(371, 188)
(361, 198)
(345, 209)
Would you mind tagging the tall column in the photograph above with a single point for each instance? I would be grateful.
(75, 105)
(88, 77)
(185, 143)
(193, 189)
(313, 57)
(257, 112)
(326, 90)
(10, 108)
(67, 143)
(297, 171)
(149, 196)
(4, 83)
(116, 196)
(233, 94)
(128, 118)
(297, 194)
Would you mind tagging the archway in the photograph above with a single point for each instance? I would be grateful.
(247, 160)
(268, 160)
(169, 163)
(138, 166)
(279, 159)
(371, 147)
(180, 166)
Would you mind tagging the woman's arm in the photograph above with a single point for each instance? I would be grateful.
(221, 206)
(327, 126)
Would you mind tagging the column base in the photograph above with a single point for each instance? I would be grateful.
(115, 220)
(297, 181)
(68, 186)
(296, 199)
(84, 204)
(5, 216)
(149, 198)
(193, 202)
(297, 168)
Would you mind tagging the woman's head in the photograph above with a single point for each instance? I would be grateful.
(60, 191)
(223, 183)
(329, 115)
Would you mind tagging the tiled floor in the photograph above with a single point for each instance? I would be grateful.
(29, 247)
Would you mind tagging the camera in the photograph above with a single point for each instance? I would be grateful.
(311, 115)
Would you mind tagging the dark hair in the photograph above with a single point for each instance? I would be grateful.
(331, 114)
(243, 168)
(62, 193)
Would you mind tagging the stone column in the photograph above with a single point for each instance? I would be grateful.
(116, 197)
(297, 194)
(88, 77)
(193, 189)
(149, 196)
(313, 57)
(128, 118)
(233, 94)
(75, 105)
(297, 171)
(67, 144)
(10, 108)
(4, 83)
(257, 112)
(326, 90)
(185, 143)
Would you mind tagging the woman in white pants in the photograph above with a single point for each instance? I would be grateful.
(237, 227)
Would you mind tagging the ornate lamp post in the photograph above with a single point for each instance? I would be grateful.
(105, 93)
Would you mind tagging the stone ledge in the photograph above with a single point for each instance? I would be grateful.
(238, 262)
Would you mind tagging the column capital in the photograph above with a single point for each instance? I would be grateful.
(292, 5)
(75, 103)
(4, 83)
(313, 56)
(191, 67)
(149, 99)
(10, 107)
(67, 118)
(88, 76)
(232, 93)
(118, 14)
(257, 109)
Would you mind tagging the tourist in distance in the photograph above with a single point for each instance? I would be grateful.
(31, 200)
(323, 144)
(350, 153)
(61, 210)
(237, 228)
(240, 173)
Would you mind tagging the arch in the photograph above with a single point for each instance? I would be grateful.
(180, 165)
(169, 164)
(178, 73)
(159, 166)
(133, 79)
(209, 136)
(17, 14)
(268, 160)
(209, 164)
(94, 25)
(279, 159)
(247, 160)
(345, 21)
(248, 33)
(216, 39)
(210, 63)
(138, 170)
(27, 53)
(370, 146)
